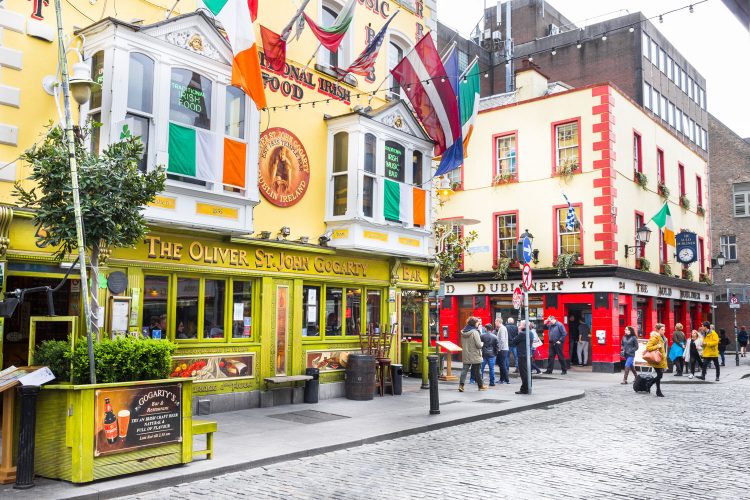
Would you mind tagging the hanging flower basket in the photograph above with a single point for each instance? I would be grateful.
(504, 178)
(663, 190)
(641, 179)
(568, 168)
(564, 262)
(643, 264)
(700, 210)
(685, 202)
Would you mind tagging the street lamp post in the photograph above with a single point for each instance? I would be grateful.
(642, 236)
(522, 260)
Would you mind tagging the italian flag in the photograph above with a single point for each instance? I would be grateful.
(663, 219)
(331, 37)
(194, 153)
(404, 203)
(237, 17)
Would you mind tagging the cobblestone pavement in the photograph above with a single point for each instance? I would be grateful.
(614, 443)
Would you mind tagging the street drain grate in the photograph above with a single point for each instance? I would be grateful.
(308, 416)
(491, 401)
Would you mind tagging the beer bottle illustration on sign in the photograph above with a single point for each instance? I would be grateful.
(110, 422)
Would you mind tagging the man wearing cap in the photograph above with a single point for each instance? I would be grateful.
(557, 335)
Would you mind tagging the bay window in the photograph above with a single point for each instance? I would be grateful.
(340, 172)
(141, 101)
(95, 102)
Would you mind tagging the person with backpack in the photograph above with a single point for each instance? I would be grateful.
(471, 343)
(710, 351)
(557, 335)
(742, 339)
(490, 349)
(629, 348)
(659, 361)
(677, 351)
(693, 352)
(723, 343)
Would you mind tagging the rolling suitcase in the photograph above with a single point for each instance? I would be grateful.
(643, 381)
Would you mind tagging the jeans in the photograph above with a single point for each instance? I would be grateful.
(556, 350)
(693, 361)
(524, 374)
(721, 353)
(503, 362)
(474, 367)
(679, 364)
(583, 351)
(491, 363)
(707, 364)
(514, 351)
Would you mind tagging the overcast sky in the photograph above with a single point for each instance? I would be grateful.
(711, 38)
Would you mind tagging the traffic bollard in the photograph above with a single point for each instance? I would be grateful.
(432, 360)
(25, 461)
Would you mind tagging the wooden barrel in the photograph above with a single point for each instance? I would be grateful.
(359, 383)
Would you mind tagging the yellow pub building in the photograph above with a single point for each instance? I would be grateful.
(255, 272)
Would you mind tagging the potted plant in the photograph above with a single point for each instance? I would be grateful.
(643, 264)
(501, 267)
(503, 178)
(705, 278)
(700, 210)
(663, 190)
(564, 262)
(665, 269)
(641, 179)
(567, 168)
(687, 274)
(685, 202)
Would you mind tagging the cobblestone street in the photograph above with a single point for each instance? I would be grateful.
(613, 443)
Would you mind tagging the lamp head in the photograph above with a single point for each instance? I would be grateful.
(81, 82)
(643, 234)
(721, 260)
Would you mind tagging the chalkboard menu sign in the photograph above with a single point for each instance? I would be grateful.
(394, 161)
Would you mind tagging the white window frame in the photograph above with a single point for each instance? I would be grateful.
(645, 45)
(144, 114)
(511, 158)
(655, 100)
(646, 95)
(663, 61)
(513, 239)
(559, 149)
(563, 231)
(728, 247)
(671, 114)
(663, 108)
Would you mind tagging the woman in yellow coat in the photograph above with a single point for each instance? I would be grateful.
(656, 343)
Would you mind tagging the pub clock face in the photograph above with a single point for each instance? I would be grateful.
(686, 255)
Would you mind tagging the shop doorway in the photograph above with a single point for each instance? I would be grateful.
(579, 315)
(17, 328)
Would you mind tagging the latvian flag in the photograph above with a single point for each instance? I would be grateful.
(194, 153)
(237, 17)
(403, 203)
(366, 60)
(422, 74)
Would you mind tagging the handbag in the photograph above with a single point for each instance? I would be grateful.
(652, 356)
(536, 344)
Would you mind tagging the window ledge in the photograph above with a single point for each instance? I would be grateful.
(177, 187)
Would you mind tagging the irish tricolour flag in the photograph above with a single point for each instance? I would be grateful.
(198, 153)
(237, 17)
(403, 203)
(663, 219)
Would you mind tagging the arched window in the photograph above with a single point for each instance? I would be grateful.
(340, 172)
(141, 101)
(395, 54)
(329, 18)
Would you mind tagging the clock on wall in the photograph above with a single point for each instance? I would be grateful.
(686, 255)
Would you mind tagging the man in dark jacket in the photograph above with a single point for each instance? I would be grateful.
(490, 349)
(519, 343)
(512, 332)
(557, 335)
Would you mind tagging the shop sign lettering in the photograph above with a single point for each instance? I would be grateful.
(291, 81)
(412, 275)
(641, 288)
(665, 291)
(685, 294)
(285, 262)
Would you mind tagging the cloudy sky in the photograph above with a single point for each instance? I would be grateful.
(711, 38)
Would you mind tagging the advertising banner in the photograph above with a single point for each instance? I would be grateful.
(130, 418)
(330, 360)
(213, 366)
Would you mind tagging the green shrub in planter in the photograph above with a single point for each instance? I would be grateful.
(124, 359)
(55, 355)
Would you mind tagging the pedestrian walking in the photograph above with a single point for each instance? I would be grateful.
(629, 348)
(677, 351)
(723, 343)
(742, 338)
(584, 337)
(656, 344)
(535, 341)
(512, 332)
(710, 352)
(693, 352)
(557, 335)
(471, 343)
(503, 354)
(490, 348)
(519, 342)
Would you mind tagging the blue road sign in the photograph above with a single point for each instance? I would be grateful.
(526, 250)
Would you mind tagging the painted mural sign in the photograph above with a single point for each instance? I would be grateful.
(213, 367)
(330, 360)
(284, 169)
(137, 417)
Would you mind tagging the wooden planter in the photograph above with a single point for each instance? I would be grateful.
(71, 430)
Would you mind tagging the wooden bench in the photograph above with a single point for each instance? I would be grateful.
(207, 427)
(293, 379)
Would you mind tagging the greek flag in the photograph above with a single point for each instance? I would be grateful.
(571, 221)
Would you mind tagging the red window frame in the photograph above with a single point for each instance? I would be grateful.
(555, 242)
(637, 150)
(681, 170)
(495, 249)
(640, 220)
(663, 252)
(702, 256)
(699, 190)
(660, 172)
(553, 133)
(495, 137)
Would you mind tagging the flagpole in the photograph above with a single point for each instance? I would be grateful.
(295, 17)
(466, 71)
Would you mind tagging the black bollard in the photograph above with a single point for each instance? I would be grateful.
(25, 461)
(432, 361)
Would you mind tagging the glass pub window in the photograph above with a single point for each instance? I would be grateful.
(141, 100)
(214, 296)
(373, 310)
(310, 311)
(187, 308)
(242, 297)
(340, 167)
(155, 306)
(334, 311)
(353, 311)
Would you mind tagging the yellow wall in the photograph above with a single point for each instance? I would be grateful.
(537, 191)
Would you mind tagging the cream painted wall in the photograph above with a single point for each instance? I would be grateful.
(537, 192)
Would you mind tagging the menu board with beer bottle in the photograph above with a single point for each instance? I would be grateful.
(136, 417)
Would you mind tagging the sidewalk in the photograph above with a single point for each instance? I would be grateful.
(257, 437)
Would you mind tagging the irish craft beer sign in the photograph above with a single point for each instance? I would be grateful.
(283, 169)
(137, 417)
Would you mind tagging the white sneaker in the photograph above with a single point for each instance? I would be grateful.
(690, 376)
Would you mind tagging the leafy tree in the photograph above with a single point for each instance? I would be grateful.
(452, 247)
(112, 190)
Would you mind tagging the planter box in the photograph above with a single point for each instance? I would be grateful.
(76, 442)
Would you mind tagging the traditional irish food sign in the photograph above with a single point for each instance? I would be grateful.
(137, 417)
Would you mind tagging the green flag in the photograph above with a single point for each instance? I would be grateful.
(468, 101)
